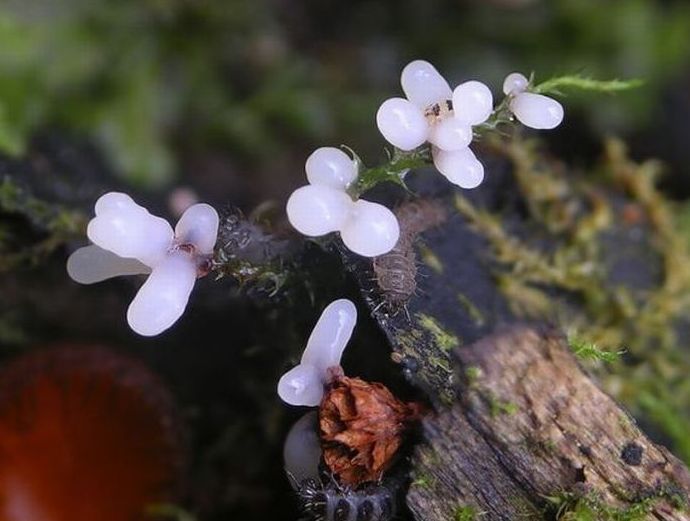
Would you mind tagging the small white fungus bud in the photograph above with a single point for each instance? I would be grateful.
(198, 226)
(451, 134)
(316, 210)
(460, 167)
(92, 264)
(163, 297)
(402, 123)
(370, 230)
(129, 230)
(472, 102)
(332, 167)
(302, 450)
(423, 85)
(537, 111)
(304, 384)
(515, 83)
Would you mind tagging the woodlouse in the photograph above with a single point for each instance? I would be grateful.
(396, 271)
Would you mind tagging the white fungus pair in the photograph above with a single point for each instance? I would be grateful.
(304, 383)
(128, 240)
(324, 206)
(433, 112)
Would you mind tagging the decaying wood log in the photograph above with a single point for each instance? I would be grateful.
(531, 436)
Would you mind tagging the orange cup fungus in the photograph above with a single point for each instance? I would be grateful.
(85, 435)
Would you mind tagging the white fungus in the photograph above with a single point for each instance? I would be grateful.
(370, 230)
(428, 115)
(324, 206)
(472, 102)
(304, 384)
(460, 167)
(129, 240)
(302, 450)
(533, 110)
(537, 111)
(402, 123)
(423, 85)
(331, 167)
(315, 210)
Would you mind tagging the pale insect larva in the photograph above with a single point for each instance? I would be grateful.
(396, 271)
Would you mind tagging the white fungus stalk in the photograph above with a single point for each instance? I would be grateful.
(129, 240)
(304, 384)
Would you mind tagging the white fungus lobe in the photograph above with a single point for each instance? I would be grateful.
(129, 230)
(316, 210)
(515, 83)
(301, 386)
(460, 167)
(472, 102)
(451, 134)
(370, 230)
(402, 123)
(302, 450)
(423, 85)
(304, 384)
(537, 111)
(332, 167)
(92, 264)
(198, 226)
(164, 296)
(129, 240)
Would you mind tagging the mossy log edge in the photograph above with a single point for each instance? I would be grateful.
(530, 435)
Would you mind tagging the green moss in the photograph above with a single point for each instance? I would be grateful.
(499, 407)
(473, 311)
(443, 339)
(430, 259)
(465, 513)
(568, 282)
(473, 374)
(589, 351)
(53, 225)
(567, 506)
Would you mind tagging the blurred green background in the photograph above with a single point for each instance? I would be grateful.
(232, 95)
(229, 97)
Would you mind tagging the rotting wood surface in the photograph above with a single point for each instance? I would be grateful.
(530, 429)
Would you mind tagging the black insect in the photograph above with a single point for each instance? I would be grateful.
(332, 502)
(396, 271)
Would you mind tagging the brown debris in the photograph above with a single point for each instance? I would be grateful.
(362, 426)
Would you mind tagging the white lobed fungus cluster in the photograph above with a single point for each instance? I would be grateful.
(433, 112)
(324, 206)
(128, 240)
(304, 384)
(532, 110)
